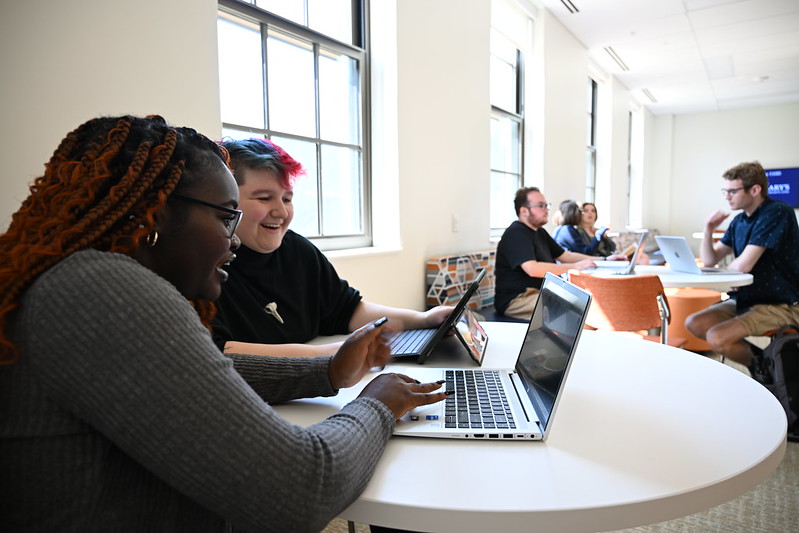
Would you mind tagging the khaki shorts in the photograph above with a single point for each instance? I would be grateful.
(522, 306)
(759, 319)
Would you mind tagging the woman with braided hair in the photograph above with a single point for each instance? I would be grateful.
(117, 411)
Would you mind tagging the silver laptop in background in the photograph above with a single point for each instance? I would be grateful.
(629, 267)
(680, 257)
(532, 389)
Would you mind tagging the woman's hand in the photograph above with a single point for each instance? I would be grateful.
(401, 393)
(365, 348)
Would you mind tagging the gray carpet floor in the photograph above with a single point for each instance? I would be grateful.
(771, 507)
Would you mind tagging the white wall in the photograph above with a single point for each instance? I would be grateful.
(704, 145)
(443, 138)
(614, 193)
(63, 63)
(563, 111)
(658, 141)
(71, 61)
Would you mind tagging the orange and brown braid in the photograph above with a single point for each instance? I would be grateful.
(100, 190)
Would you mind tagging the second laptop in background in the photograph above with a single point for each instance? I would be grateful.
(680, 258)
(626, 270)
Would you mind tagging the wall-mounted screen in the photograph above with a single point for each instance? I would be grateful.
(783, 184)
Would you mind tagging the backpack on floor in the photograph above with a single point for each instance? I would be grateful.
(781, 361)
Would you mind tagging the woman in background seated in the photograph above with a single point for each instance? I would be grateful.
(117, 411)
(578, 234)
(588, 218)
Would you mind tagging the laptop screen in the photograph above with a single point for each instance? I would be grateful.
(550, 342)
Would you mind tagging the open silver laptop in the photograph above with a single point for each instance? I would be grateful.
(420, 342)
(680, 257)
(611, 267)
(511, 403)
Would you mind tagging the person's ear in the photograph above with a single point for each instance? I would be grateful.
(166, 218)
(164, 221)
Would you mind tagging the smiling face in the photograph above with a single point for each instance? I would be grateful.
(194, 240)
(268, 210)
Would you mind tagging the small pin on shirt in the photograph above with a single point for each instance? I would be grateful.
(271, 309)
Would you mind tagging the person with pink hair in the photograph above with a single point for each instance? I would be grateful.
(283, 292)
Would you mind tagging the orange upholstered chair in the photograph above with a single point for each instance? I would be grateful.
(627, 303)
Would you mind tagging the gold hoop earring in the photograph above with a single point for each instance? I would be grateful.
(151, 239)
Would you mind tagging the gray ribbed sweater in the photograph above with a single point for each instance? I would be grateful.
(122, 415)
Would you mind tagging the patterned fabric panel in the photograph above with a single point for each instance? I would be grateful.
(449, 276)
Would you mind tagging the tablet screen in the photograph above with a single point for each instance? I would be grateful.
(472, 335)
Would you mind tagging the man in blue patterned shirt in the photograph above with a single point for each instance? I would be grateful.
(764, 239)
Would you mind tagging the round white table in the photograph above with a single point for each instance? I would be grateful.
(644, 433)
(721, 281)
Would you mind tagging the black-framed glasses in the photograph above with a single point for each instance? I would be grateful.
(539, 206)
(730, 192)
(232, 223)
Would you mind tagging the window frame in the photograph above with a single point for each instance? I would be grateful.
(590, 159)
(517, 116)
(360, 53)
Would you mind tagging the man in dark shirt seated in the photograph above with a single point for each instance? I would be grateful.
(764, 238)
(525, 253)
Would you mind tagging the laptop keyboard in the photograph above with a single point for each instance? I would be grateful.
(410, 341)
(479, 401)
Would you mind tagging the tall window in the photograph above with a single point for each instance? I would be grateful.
(590, 153)
(295, 71)
(507, 131)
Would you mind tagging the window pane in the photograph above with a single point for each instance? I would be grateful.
(502, 47)
(331, 17)
(503, 66)
(503, 85)
(503, 189)
(306, 198)
(293, 10)
(312, 103)
(239, 135)
(341, 191)
(290, 78)
(339, 98)
(240, 73)
(505, 145)
(590, 175)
